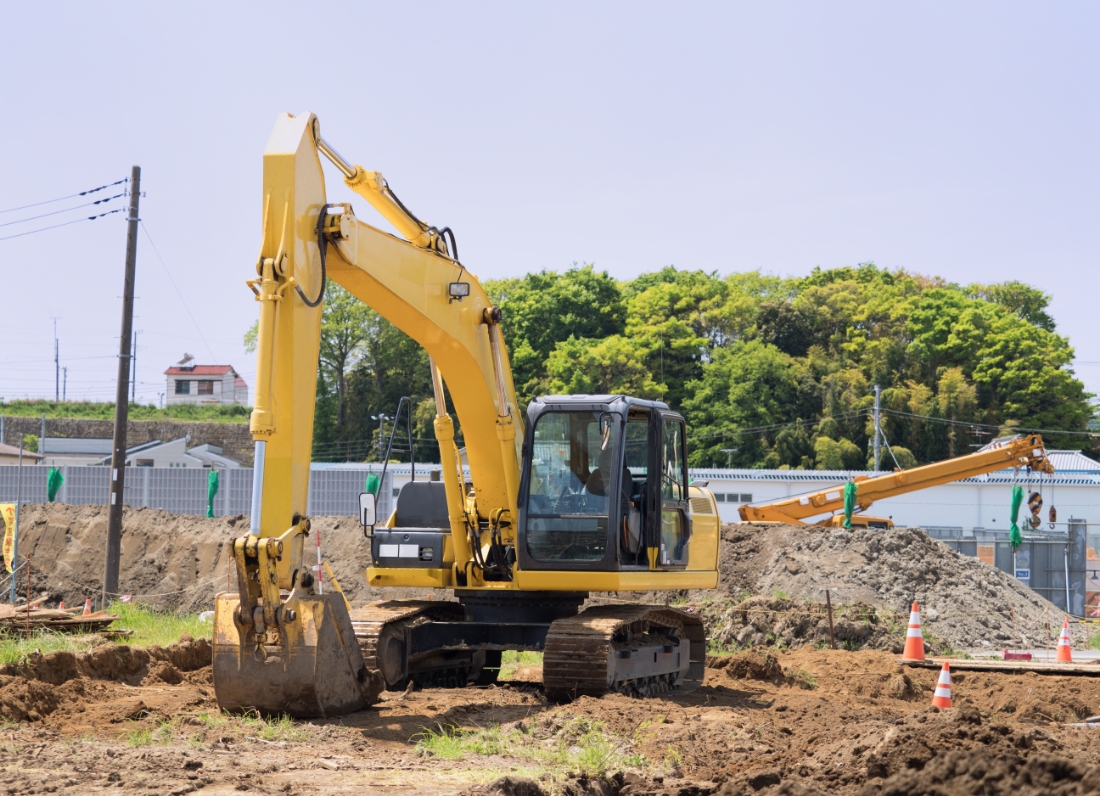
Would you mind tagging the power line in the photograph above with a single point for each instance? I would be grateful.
(66, 210)
(182, 301)
(968, 424)
(63, 198)
(55, 226)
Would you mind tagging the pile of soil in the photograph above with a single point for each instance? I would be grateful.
(39, 685)
(169, 561)
(964, 603)
(783, 622)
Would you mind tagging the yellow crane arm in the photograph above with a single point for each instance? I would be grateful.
(1017, 452)
(418, 285)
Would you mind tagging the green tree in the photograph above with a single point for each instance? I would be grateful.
(612, 365)
(541, 310)
(747, 388)
(841, 454)
(1025, 301)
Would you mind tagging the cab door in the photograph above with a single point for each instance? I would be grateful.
(669, 520)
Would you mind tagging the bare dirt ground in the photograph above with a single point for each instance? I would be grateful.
(765, 722)
(785, 719)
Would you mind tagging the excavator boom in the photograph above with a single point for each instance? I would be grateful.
(1017, 452)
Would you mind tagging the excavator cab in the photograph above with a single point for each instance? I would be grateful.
(603, 485)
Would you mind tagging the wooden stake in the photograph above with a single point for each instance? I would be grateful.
(829, 606)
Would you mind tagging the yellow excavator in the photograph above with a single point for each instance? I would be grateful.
(579, 494)
(1021, 452)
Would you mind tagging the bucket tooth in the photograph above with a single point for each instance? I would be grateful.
(317, 672)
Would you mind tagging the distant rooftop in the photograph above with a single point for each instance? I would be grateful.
(201, 370)
(69, 445)
(13, 450)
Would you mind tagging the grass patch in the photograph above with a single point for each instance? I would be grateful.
(279, 728)
(511, 661)
(557, 746)
(160, 734)
(150, 626)
(804, 678)
(106, 411)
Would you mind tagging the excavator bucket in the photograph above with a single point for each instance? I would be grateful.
(316, 672)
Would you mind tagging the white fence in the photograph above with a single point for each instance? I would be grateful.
(332, 492)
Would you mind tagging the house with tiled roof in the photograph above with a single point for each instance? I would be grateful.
(189, 383)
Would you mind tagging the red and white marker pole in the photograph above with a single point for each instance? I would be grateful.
(319, 570)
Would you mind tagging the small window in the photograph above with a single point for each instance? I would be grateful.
(672, 475)
(206, 387)
(183, 387)
(719, 497)
(396, 492)
(144, 462)
(746, 498)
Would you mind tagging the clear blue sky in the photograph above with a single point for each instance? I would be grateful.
(955, 139)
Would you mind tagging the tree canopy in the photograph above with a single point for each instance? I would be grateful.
(769, 371)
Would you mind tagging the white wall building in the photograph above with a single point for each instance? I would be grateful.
(204, 384)
(974, 504)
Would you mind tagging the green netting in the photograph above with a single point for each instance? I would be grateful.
(212, 484)
(850, 489)
(373, 484)
(1014, 537)
(54, 480)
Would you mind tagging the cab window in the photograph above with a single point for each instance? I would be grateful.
(569, 492)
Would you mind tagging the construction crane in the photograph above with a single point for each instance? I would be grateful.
(579, 494)
(1016, 452)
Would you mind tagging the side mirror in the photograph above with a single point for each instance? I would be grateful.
(367, 509)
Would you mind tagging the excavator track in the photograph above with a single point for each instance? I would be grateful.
(607, 648)
(381, 632)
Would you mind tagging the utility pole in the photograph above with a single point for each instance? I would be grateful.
(56, 366)
(133, 381)
(15, 531)
(118, 448)
(64, 384)
(878, 424)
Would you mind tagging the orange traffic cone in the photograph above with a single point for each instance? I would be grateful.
(87, 607)
(942, 698)
(1064, 650)
(914, 640)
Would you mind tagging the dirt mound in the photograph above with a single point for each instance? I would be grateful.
(38, 686)
(965, 603)
(792, 624)
(754, 665)
(169, 561)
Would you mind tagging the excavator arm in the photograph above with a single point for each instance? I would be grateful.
(271, 632)
(1018, 452)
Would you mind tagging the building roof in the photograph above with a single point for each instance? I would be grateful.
(13, 450)
(1072, 462)
(200, 370)
(240, 382)
(61, 445)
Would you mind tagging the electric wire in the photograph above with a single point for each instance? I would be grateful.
(63, 198)
(970, 424)
(65, 224)
(65, 210)
(176, 288)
